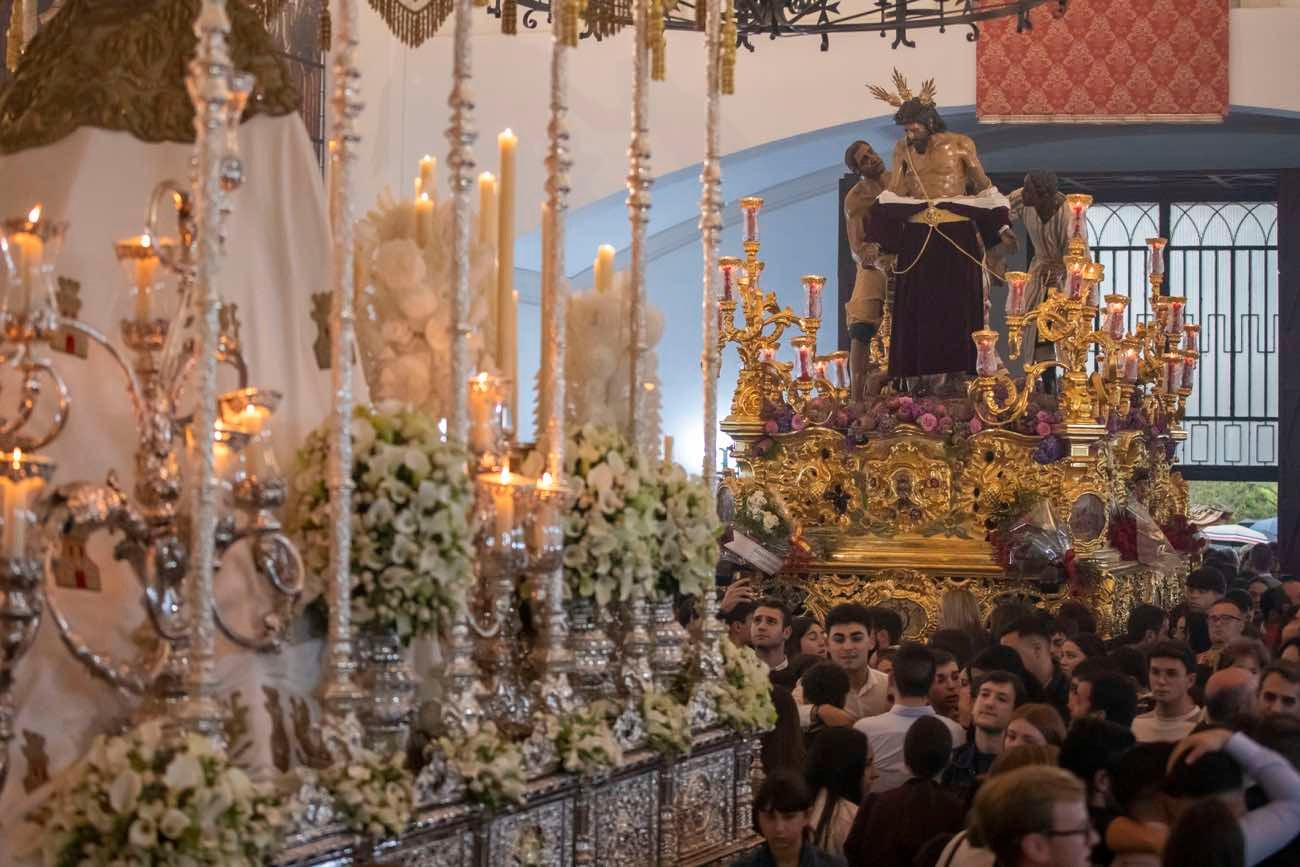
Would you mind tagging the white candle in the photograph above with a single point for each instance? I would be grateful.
(503, 502)
(507, 142)
(487, 208)
(603, 268)
(428, 177)
(668, 449)
(483, 397)
(29, 257)
(424, 221)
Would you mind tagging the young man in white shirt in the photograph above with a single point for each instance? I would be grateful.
(913, 676)
(769, 627)
(850, 644)
(1171, 672)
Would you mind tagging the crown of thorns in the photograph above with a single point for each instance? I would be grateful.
(902, 93)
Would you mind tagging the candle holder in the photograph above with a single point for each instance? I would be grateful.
(28, 252)
(20, 615)
(552, 659)
(812, 289)
(1078, 204)
(1156, 259)
(488, 424)
(987, 362)
(728, 266)
(750, 206)
(1114, 322)
(1074, 276)
(1093, 274)
(505, 501)
(152, 306)
(1173, 316)
(1016, 283)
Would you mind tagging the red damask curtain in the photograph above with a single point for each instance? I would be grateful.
(1107, 61)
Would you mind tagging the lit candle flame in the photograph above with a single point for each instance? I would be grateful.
(145, 240)
(505, 472)
(18, 458)
(546, 479)
(424, 197)
(34, 215)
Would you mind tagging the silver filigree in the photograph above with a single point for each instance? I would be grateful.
(593, 652)
(390, 687)
(438, 782)
(540, 836)
(704, 802)
(626, 830)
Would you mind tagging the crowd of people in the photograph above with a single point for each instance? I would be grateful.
(1029, 739)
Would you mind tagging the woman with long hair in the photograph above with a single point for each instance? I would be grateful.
(840, 772)
(807, 637)
(958, 609)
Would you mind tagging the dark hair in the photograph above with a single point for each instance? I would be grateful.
(1280, 733)
(1001, 677)
(1241, 599)
(1092, 745)
(1173, 650)
(1138, 773)
(837, 761)
(927, 747)
(1207, 578)
(1043, 183)
(913, 671)
(1007, 613)
(1290, 642)
(1142, 618)
(1128, 660)
(999, 658)
(1090, 644)
(1273, 601)
(1211, 774)
(1261, 558)
(1286, 670)
(1206, 834)
(954, 641)
(887, 619)
(1081, 615)
(1198, 631)
(783, 746)
(776, 605)
(849, 161)
(848, 612)
(783, 791)
(1240, 647)
(915, 111)
(799, 627)
(825, 683)
(942, 658)
(1113, 695)
(740, 611)
(1029, 627)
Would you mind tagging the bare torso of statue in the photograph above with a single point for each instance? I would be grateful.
(947, 168)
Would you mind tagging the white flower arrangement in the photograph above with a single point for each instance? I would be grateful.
(403, 298)
(412, 520)
(611, 532)
(762, 515)
(744, 695)
(596, 379)
(374, 794)
(667, 723)
(584, 740)
(688, 534)
(136, 799)
(491, 765)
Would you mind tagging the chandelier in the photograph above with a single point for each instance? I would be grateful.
(811, 17)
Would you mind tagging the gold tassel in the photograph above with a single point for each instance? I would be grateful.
(509, 17)
(14, 49)
(480, 3)
(658, 44)
(326, 27)
(728, 73)
(701, 14)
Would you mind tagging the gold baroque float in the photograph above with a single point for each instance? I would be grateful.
(895, 507)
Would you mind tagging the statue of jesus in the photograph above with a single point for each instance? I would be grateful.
(939, 214)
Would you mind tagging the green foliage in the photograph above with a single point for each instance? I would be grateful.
(1246, 500)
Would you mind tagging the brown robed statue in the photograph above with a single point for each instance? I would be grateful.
(939, 214)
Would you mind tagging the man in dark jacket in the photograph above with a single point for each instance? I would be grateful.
(783, 805)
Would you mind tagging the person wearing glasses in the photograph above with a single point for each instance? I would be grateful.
(1171, 671)
(1035, 816)
(1227, 622)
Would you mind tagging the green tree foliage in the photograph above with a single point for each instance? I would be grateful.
(1246, 500)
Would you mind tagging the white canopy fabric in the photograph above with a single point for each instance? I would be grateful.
(1233, 534)
(279, 255)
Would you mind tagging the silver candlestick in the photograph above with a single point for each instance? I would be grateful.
(552, 659)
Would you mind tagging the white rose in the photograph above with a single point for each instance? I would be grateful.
(399, 265)
(124, 792)
(184, 772)
(770, 521)
(174, 823)
(143, 834)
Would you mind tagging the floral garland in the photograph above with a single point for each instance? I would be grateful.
(687, 550)
(667, 723)
(1123, 535)
(1183, 535)
(135, 799)
(611, 534)
(375, 794)
(584, 740)
(762, 515)
(491, 765)
(745, 694)
(412, 519)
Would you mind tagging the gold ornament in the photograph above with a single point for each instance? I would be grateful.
(902, 93)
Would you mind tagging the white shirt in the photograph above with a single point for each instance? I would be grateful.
(1152, 728)
(871, 699)
(885, 734)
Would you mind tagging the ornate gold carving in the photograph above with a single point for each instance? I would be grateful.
(99, 65)
(281, 751)
(37, 759)
(907, 487)
(818, 480)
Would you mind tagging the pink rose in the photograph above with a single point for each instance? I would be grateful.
(975, 425)
(798, 423)
(906, 414)
(770, 426)
(1043, 429)
(928, 422)
(1043, 415)
(905, 400)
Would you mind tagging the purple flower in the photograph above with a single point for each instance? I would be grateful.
(770, 426)
(928, 422)
(1043, 415)
(976, 425)
(797, 422)
(905, 400)
(906, 413)
(945, 424)
(886, 425)
(1050, 450)
(1043, 428)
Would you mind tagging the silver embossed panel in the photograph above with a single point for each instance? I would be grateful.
(540, 836)
(704, 788)
(455, 850)
(627, 821)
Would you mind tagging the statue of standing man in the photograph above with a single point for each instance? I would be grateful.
(939, 214)
(867, 304)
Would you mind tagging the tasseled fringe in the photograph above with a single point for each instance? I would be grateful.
(509, 17)
(413, 27)
(728, 72)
